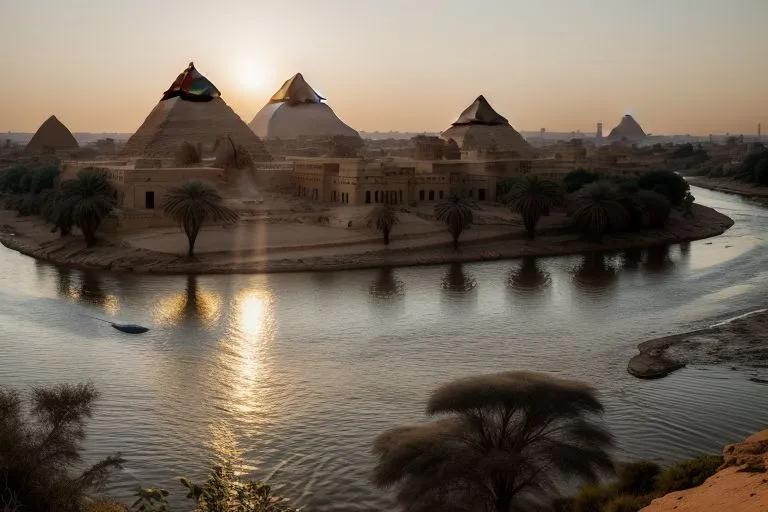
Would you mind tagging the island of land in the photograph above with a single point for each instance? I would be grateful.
(742, 341)
(282, 234)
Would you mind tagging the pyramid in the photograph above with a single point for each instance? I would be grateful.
(628, 129)
(480, 127)
(52, 136)
(191, 110)
(295, 111)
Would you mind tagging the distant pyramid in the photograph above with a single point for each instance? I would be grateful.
(191, 110)
(52, 136)
(296, 110)
(480, 127)
(628, 129)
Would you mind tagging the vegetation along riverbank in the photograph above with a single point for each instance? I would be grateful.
(588, 212)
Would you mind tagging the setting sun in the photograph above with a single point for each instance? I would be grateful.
(251, 76)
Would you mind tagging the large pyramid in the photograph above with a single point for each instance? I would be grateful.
(480, 127)
(628, 129)
(52, 136)
(295, 111)
(191, 110)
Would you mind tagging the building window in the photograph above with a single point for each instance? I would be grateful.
(481, 194)
(421, 195)
(367, 197)
(401, 196)
(376, 197)
(431, 195)
(149, 200)
(441, 194)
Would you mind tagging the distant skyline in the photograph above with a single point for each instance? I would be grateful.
(678, 66)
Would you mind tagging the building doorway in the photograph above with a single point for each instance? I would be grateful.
(367, 197)
(149, 200)
(481, 194)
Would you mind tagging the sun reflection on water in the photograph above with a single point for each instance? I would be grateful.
(193, 305)
(244, 353)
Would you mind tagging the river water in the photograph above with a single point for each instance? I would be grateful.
(299, 372)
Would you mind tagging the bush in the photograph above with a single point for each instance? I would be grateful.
(667, 183)
(637, 478)
(687, 474)
(575, 180)
(11, 180)
(43, 179)
(42, 446)
(627, 503)
(592, 498)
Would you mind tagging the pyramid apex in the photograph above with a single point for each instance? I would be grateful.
(296, 90)
(190, 85)
(480, 112)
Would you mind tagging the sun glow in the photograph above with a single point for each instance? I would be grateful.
(252, 77)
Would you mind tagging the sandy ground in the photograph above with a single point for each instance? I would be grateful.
(743, 341)
(728, 185)
(268, 240)
(741, 485)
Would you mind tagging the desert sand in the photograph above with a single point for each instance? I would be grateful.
(284, 235)
(741, 484)
(743, 341)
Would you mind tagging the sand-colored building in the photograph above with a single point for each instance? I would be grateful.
(52, 137)
(297, 111)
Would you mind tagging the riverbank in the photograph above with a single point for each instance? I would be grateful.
(32, 237)
(742, 341)
(739, 485)
(729, 186)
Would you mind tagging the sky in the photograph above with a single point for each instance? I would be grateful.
(679, 66)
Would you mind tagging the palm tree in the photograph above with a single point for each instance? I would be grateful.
(656, 208)
(533, 197)
(507, 439)
(86, 200)
(382, 218)
(192, 204)
(456, 213)
(599, 210)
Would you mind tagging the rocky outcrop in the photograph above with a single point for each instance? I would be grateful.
(741, 484)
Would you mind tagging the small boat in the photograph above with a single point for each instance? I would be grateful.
(130, 328)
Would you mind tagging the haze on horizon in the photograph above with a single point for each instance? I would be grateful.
(683, 66)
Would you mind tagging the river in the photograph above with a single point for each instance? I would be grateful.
(299, 372)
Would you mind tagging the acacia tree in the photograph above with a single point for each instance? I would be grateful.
(503, 440)
(456, 213)
(533, 197)
(194, 203)
(40, 445)
(382, 218)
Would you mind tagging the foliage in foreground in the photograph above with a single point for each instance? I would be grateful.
(41, 445)
(639, 483)
(223, 491)
(504, 441)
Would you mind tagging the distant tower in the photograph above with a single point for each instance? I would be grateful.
(759, 132)
(541, 134)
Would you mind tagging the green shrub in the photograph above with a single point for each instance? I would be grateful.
(40, 446)
(627, 503)
(667, 183)
(575, 180)
(11, 180)
(592, 498)
(637, 478)
(687, 474)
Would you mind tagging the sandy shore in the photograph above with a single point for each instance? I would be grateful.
(740, 485)
(728, 185)
(482, 243)
(743, 341)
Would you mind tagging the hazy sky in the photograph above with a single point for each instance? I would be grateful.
(680, 66)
